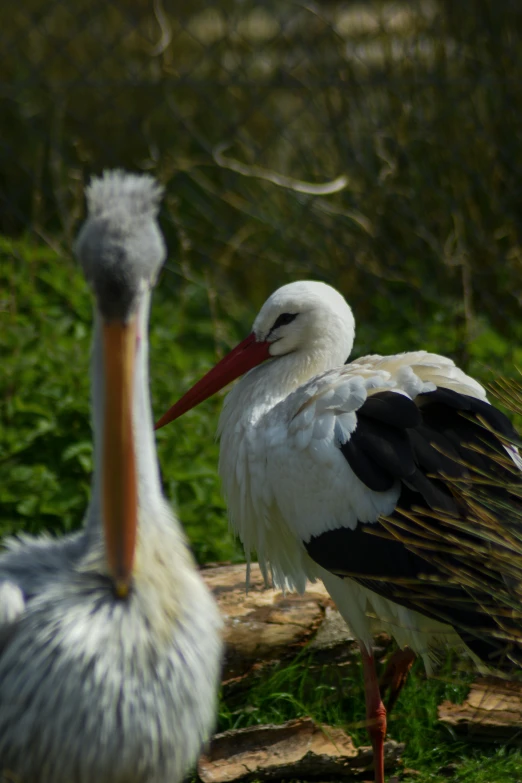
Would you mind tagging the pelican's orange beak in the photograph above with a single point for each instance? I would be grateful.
(243, 357)
(119, 482)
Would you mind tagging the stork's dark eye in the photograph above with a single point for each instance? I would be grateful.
(283, 319)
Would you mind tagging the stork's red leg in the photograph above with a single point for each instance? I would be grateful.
(395, 676)
(375, 713)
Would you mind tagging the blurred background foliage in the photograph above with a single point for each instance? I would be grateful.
(372, 145)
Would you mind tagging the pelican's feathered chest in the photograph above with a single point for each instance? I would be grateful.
(106, 689)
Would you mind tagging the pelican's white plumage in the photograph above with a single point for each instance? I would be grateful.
(110, 644)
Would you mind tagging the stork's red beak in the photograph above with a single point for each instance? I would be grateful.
(119, 485)
(243, 357)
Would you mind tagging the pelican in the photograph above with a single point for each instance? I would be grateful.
(109, 640)
(316, 454)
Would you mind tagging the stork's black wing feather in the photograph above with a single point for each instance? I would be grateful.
(433, 446)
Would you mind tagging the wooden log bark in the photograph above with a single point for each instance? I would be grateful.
(298, 749)
(491, 712)
(263, 624)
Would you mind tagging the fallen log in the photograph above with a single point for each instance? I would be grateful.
(299, 749)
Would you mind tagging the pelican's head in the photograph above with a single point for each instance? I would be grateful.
(120, 245)
(306, 318)
(121, 249)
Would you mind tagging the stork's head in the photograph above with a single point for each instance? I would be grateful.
(121, 250)
(306, 318)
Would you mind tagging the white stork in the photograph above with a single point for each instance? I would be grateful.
(315, 452)
(109, 639)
